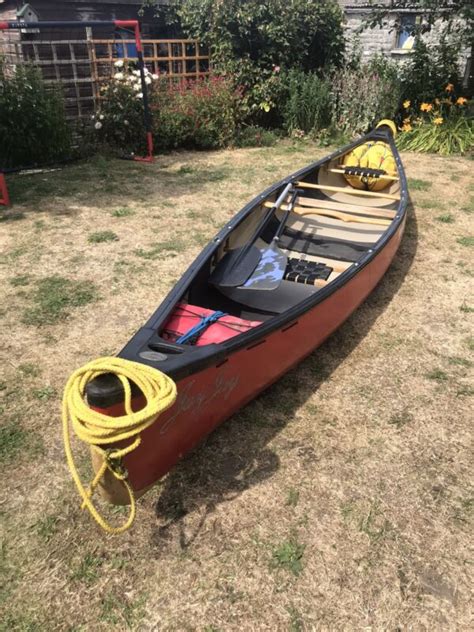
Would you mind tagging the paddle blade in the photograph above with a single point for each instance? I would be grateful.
(235, 267)
(269, 271)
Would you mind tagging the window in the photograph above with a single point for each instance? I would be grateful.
(405, 37)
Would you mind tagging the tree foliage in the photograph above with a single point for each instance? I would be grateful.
(288, 33)
(456, 15)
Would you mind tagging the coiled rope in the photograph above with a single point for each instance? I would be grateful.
(98, 430)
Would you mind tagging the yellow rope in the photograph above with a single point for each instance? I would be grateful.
(99, 430)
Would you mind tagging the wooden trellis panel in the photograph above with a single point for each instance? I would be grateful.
(82, 66)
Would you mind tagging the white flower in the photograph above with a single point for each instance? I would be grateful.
(93, 117)
(136, 73)
(154, 77)
(119, 63)
(102, 117)
(140, 95)
(118, 76)
(126, 122)
(98, 125)
(137, 86)
(148, 80)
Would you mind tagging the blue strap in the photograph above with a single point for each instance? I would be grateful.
(193, 334)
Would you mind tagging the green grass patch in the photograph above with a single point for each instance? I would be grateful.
(21, 280)
(53, 298)
(466, 309)
(122, 212)
(438, 375)
(400, 419)
(47, 527)
(446, 218)
(165, 248)
(28, 369)
(87, 570)
(288, 555)
(115, 610)
(44, 393)
(102, 236)
(457, 361)
(433, 204)
(292, 497)
(416, 184)
(16, 441)
(466, 241)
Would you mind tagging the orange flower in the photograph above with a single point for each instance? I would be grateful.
(426, 107)
(406, 104)
(449, 87)
(406, 120)
(461, 101)
(438, 120)
(407, 127)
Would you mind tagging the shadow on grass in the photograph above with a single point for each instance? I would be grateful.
(236, 455)
(100, 179)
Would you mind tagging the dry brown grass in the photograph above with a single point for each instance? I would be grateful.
(338, 500)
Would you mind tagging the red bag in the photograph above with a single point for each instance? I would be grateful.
(185, 317)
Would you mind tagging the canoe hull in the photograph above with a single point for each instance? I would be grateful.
(208, 397)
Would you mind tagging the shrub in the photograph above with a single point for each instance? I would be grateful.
(201, 114)
(33, 125)
(119, 121)
(441, 126)
(254, 136)
(428, 69)
(248, 40)
(307, 106)
(364, 96)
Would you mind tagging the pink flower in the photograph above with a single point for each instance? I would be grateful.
(276, 68)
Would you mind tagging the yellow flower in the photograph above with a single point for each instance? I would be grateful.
(406, 104)
(438, 120)
(426, 107)
(449, 87)
(461, 101)
(407, 127)
(406, 120)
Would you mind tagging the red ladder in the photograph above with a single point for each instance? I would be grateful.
(4, 197)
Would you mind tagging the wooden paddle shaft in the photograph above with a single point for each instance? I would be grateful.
(327, 187)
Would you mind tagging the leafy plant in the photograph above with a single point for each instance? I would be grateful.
(101, 236)
(441, 126)
(307, 106)
(33, 126)
(255, 136)
(119, 121)
(364, 96)
(202, 114)
(428, 70)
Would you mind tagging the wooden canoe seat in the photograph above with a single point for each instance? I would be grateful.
(347, 190)
(344, 217)
(346, 208)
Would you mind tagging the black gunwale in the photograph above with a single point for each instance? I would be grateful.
(196, 359)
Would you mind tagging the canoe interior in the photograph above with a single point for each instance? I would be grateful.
(335, 227)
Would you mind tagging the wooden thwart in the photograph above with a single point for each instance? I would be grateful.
(349, 208)
(300, 210)
(328, 187)
(339, 169)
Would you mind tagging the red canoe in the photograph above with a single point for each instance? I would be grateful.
(251, 306)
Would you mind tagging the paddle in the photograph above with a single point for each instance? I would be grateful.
(238, 264)
(271, 268)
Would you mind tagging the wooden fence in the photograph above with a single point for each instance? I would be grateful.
(82, 66)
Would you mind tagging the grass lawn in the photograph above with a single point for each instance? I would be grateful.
(339, 499)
